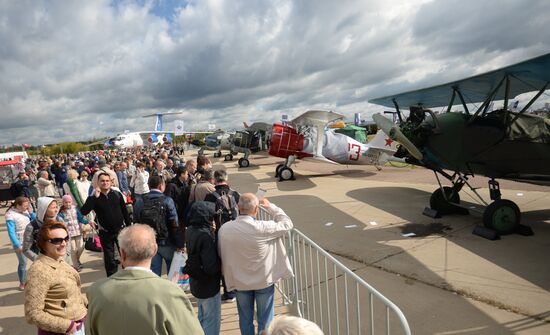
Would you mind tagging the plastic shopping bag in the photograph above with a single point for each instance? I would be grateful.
(176, 274)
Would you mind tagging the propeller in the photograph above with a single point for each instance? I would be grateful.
(395, 133)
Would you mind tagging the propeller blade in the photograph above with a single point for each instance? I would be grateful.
(395, 133)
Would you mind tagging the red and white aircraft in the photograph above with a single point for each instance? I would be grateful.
(308, 137)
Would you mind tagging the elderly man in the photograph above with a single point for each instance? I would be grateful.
(257, 263)
(135, 300)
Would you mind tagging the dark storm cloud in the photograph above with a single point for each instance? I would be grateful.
(73, 70)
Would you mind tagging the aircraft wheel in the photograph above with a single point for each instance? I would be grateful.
(440, 203)
(4, 203)
(216, 155)
(243, 162)
(228, 157)
(502, 215)
(278, 170)
(286, 174)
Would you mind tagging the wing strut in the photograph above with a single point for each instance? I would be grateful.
(462, 100)
(486, 102)
(452, 99)
(398, 111)
(531, 102)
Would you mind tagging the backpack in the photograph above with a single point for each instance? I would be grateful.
(226, 207)
(14, 191)
(35, 229)
(153, 214)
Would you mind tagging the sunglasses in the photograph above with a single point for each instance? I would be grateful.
(59, 240)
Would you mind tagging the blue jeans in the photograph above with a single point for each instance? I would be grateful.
(264, 309)
(22, 267)
(165, 252)
(210, 314)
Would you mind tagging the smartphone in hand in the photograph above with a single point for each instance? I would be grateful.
(261, 193)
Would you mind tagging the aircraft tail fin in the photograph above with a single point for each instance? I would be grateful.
(382, 142)
(158, 124)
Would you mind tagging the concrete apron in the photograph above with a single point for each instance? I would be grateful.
(363, 220)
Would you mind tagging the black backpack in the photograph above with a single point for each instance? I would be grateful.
(14, 190)
(153, 214)
(226, 207)
(35, 229)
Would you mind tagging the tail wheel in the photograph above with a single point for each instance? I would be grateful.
(286, 174)
(502, 215)
(243, 162)
(278, 170)
(440, 202)
(228, 157)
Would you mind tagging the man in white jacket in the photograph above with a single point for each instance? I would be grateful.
(254, 259)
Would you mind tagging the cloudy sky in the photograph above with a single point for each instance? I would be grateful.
(73, 70)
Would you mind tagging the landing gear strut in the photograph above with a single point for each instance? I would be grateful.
(500, 217)
(244, 162)
(503, 216)
(283, 171)
(446, 200)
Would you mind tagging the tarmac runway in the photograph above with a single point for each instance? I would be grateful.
(445, 280)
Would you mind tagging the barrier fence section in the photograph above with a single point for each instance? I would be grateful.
(325, 291)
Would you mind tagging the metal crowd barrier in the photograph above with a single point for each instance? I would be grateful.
(325, 291)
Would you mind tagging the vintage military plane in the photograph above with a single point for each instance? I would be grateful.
(252, 138)
(499, 144)
(308, 137)
(218, 140)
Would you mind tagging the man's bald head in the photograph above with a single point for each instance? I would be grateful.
(248, 204)
(138, 243)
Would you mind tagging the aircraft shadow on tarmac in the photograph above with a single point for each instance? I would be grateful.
(514, 253)
(368, 247)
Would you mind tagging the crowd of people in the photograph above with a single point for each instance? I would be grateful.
(145, 204)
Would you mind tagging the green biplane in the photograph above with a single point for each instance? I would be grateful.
(498, 144)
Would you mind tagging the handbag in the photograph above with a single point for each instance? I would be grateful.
(176, 273)
(93, 243)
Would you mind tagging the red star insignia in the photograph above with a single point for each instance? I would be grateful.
(389, 141)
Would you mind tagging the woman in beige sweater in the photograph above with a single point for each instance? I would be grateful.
(53, 298)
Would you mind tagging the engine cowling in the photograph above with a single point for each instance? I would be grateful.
(286, 141)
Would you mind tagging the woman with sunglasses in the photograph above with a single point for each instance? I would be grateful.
(53, 298)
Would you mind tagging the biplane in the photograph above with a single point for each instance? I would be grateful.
(252, 138)
(309, 137)
(499, 144)
(218, 141)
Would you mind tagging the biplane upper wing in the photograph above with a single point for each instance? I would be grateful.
(317, 119)
(527, 76)
(314, 117)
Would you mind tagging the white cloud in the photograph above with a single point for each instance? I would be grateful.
(76, 70)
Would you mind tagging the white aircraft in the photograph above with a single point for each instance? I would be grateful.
(140, 138)
(308, 137)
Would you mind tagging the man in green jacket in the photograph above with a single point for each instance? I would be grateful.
(135, 300)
